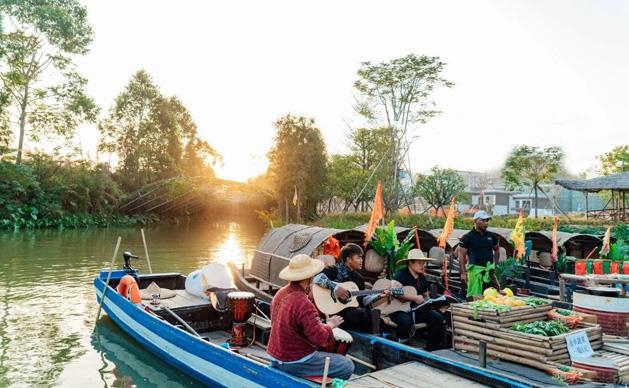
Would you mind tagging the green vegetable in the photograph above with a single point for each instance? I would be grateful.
(565, 313)
(543, 328)
(535, 301)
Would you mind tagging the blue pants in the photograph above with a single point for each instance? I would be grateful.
(340, 366)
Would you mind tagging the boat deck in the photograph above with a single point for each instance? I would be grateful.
(407, 375)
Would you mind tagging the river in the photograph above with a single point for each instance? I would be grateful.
(49, 336)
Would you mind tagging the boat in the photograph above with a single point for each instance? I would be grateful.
(221, 340)
(376, 351)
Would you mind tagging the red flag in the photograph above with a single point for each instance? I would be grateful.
(376, 214)
(554, 250)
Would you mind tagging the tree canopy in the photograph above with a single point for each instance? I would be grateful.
(615, 161)
(529, 166)
(398, 93)
(439, 187)
(43, 91)
(154, 137)
(298, 160)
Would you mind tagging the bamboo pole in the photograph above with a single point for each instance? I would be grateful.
(111, 268)
(146, 251)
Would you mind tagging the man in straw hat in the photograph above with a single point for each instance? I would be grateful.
(296, 331)
(413, 275)
(478, 255)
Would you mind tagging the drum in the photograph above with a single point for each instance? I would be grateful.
(240, 303)
(342, 341)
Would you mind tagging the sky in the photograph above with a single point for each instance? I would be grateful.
(540, 73)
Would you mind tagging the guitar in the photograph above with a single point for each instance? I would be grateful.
(326, 301)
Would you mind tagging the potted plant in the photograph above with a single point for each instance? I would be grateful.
(386, 244)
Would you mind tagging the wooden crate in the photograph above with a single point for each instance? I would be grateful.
(500, 340)
(497, 319)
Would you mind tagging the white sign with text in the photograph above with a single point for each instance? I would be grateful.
(579, 345)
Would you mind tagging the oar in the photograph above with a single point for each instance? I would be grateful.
(324, 381)
(146, 251)
(111, 268)
(182, 321)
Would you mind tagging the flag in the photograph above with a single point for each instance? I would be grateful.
(376, 214)
(554, 250)
(443, 239)
(449, 225)
(295, 197)
(517, 236)
(605, 248)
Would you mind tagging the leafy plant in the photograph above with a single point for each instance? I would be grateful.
(386, 244)
(622, 232)
(508, 269)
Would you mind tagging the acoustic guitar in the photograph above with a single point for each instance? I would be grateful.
(327, 303)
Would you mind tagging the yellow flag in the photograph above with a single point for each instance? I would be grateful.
(449, 225)
(517, 236)
(295, 197)
(376, 213)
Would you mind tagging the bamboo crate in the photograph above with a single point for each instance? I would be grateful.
(494, 328)
(496, 319)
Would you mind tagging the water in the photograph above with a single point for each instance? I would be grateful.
(48, 308)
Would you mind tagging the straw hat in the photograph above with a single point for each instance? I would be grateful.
(414, 254)
(301, 267)
(153, 288)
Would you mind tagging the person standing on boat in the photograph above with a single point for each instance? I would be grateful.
(413, 275)
(297, 331)
(478, 255)
(362, 318)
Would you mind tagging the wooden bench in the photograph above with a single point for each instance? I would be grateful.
(259, 280)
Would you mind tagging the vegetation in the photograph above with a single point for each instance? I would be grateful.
(615, 161)
(153, 137)
(297, 166)
(386, 244)
(529, 166)
(439, 187)
(39, 48)
(398, 93)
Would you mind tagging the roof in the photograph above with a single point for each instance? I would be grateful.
(618, 182)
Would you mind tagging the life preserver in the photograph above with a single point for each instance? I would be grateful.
(128, 288)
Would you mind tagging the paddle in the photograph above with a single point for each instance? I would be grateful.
(111, 268)
(146, 251)
(184, 323)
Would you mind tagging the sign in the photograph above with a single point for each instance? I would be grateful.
(579, 345)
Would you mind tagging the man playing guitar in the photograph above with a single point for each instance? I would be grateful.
(413, 275)
(355, 318)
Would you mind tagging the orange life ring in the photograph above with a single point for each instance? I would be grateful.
(128, 288)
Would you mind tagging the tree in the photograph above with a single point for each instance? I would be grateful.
(615, 161)
(439, 187)
(154, 137)
(298, 160)
(44, 92)
(529, 166)
(345, 181)
(398, 92)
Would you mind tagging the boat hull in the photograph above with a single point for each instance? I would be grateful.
(205, 361)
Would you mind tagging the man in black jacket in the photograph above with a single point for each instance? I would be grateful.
(361, 318)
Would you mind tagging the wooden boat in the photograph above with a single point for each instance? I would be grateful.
(190, 333)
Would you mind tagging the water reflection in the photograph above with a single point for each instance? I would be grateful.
(125, 363)
(48, 308)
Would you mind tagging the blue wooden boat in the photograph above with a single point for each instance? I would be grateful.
(203, 357)
(190, 333)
